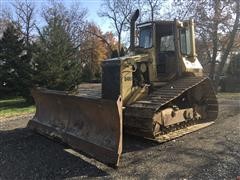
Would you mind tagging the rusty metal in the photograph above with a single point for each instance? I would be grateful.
(90, 125)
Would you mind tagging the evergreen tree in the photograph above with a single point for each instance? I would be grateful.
(56, 63)
(15, 70)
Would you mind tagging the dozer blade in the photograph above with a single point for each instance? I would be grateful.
(93, 126)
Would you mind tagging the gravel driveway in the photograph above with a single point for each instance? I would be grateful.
(212, 153)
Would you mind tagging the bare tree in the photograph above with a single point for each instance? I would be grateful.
(227, 48)
(216, 20)
(150, 9)
(154, 7)
(25, 11)
(118, 11)
(181, 9)
(214, 34)
(6, 14)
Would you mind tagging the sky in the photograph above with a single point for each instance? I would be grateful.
(93, 7)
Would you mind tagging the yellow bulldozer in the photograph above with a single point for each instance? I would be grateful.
(158, 91)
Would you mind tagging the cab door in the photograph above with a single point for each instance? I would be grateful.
(167, 51)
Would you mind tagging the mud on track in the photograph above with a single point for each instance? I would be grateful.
(213, 153)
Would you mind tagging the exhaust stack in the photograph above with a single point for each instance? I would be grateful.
(132, 29)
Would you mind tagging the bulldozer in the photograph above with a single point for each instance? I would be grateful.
(158, 91)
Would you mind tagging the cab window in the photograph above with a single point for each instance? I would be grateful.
(145, 39)
(185, 41)
(167, 43)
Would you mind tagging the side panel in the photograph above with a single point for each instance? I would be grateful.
(111, 79)
(93, 126)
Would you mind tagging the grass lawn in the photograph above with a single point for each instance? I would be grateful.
(14, 107)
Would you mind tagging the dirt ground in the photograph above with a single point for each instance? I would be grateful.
(212, 153)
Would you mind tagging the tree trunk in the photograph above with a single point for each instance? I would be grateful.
(119, 44)
(215, 39)
(152, 13)
(228, 48)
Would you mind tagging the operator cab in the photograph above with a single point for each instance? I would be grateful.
(168, 42)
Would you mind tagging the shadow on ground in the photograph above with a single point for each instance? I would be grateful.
(133, 143)
(26, 155)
